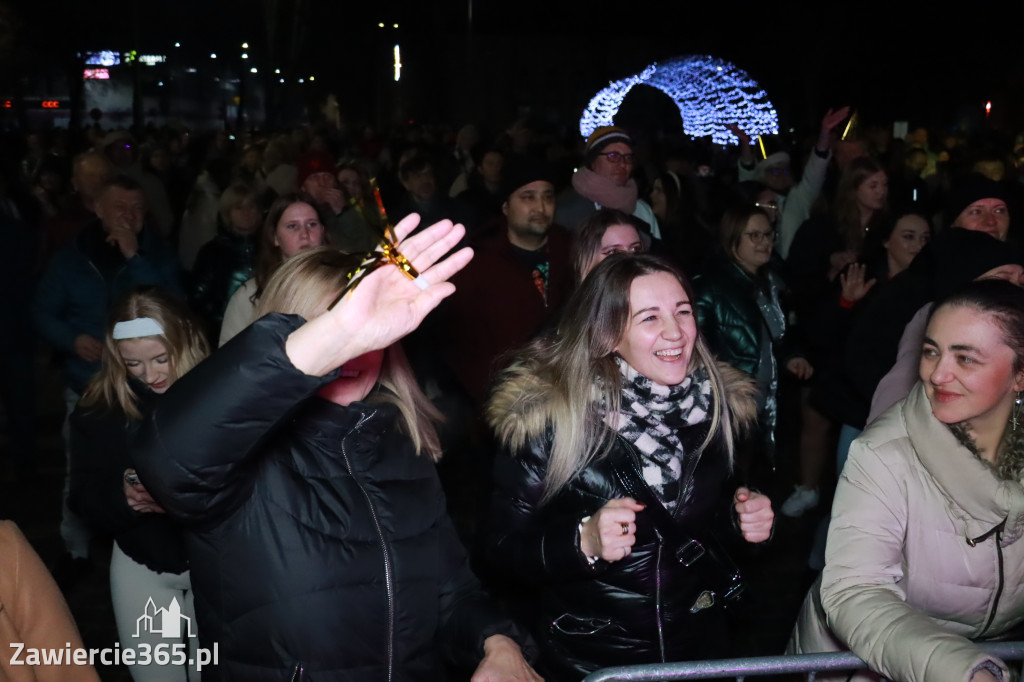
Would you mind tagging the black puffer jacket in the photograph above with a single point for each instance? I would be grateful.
(317, 536)
(643, 609)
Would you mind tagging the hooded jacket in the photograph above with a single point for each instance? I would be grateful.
(646, 608)
(924, 553)
(317, 538)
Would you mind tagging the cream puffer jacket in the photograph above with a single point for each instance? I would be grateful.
(924, 554)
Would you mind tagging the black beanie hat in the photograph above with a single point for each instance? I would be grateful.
(522, 170)
(974, 188)
(959, 256)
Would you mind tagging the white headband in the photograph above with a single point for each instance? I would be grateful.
(137, 328)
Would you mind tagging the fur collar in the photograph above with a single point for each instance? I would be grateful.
(520, 406)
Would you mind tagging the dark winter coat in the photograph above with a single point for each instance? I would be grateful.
(642, 609)
(317, 537)
(729, 317)
(82, 281)
(222, 266)
(100, 452)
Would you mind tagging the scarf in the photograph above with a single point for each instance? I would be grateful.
(651, 417)
(605, 192)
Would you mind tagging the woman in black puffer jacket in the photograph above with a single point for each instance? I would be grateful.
(303, 464)
(619, 438)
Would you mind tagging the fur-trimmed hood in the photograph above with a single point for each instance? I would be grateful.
(520, 406)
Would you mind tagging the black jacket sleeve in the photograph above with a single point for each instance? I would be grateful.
(468, 615)
(527, 542)
(199, 447)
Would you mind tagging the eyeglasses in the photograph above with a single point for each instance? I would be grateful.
(617, 157)
(771, 205)
(760, 237)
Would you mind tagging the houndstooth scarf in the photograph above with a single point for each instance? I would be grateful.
(651, 416)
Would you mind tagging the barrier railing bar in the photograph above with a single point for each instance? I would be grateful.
(762, 665)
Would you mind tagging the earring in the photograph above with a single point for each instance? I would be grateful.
(1015, 418)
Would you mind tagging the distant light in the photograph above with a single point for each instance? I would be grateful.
(277, 70)
(710, 93)
(380, 25)
(160, 84)
(245, 56)
(190, 69)
(213, 55)
(177, 44)
(253, 70)
(152, 59)
(97, 74)
(398, 64)
(988, 108)
(301, 80)
(311, 79)
(281, 81)
(102, 58)
(245, 46)
(395, 26)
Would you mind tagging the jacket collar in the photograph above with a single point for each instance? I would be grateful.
(980, 500)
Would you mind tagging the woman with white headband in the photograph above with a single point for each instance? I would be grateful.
(152, 339)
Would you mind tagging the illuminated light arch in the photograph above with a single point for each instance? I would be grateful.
(709, 92)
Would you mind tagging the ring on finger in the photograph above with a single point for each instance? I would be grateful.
(625, 528)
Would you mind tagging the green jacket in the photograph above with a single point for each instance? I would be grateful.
(728, 314)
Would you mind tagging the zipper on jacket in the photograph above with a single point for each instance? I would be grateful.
(999, 587)
(388, 578)
(657, 596)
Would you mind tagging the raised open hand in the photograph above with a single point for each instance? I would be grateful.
(833, 118)
(386, 305)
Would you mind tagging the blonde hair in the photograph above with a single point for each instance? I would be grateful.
(182, 338)
(581, 379)
(305, 285)
(232, 198)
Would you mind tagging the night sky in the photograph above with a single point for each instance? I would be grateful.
(889, 60)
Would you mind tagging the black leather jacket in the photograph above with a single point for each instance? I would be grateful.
(316, 536)
(642, 609)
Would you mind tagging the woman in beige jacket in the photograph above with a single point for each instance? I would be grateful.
(924, 549)
(33, 614)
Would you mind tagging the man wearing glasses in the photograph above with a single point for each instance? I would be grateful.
(605, 181)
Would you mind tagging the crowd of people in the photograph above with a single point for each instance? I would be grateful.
(545, 443)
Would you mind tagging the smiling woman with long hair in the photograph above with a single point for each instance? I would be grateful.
(618, 436)
(924, 548)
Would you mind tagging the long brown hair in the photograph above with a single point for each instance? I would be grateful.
(579, 364)
(182, 338)
(305, 285)
(270, 256)
(847, 212)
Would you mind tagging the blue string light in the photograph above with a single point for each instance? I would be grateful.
(709, 92)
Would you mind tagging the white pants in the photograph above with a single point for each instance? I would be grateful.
(132, 585)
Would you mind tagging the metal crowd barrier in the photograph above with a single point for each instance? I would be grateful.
(740, 668)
